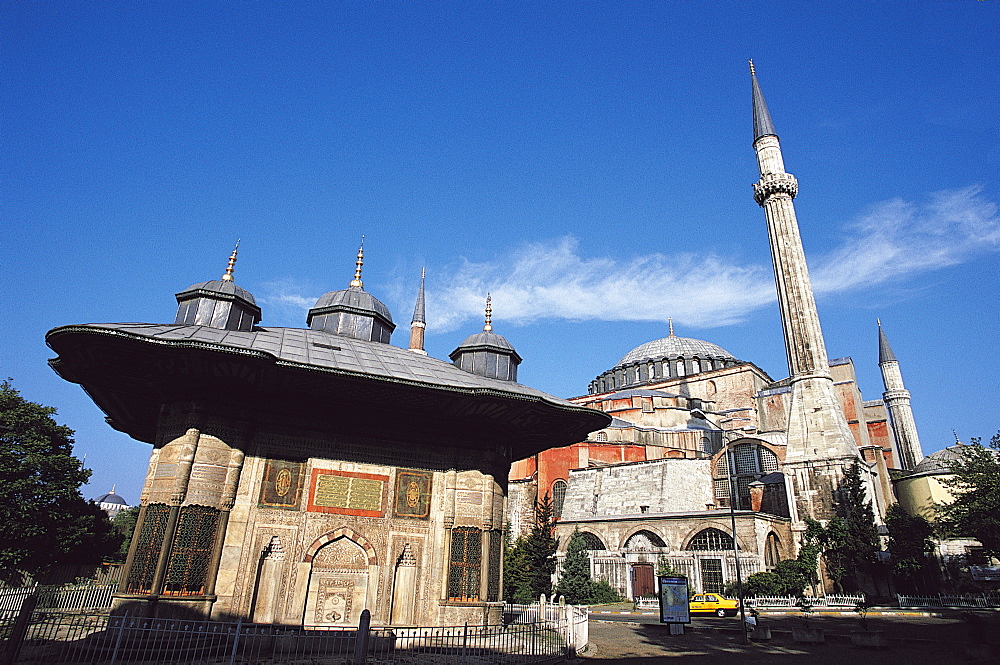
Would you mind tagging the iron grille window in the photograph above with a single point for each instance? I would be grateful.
(496, 553)
(711, 540)
(558, 498)
(147, 549)
(466, 562)
(593, 542)
(711, 576)
(192, 551)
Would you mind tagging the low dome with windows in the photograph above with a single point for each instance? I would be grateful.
(663, 359)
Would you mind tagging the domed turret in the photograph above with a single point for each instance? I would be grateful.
(218, 303)
(487, 353)
(352, 312)
(663, 359)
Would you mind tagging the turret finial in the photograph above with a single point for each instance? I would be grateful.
(753, 72)
(228, 275)
(879, 321)
(488, 327)
(356, 282)
(670, 321)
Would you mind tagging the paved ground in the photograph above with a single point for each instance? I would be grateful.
(912, 640)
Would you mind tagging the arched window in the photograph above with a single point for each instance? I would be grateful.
(558, 498)
(644, 540)
(680, 368)
(711, 540)
(601, 436)
(695, 366)
(772, 550)
(593, 542)
(652, 371)
(751, 461)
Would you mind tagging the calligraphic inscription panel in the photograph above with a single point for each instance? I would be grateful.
(282, 484)
(347, 493)
(413, 494)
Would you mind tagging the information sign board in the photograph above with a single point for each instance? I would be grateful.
(674, 599)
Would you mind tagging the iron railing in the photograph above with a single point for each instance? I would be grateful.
(982, 600)
(530, 634)
(63, 597)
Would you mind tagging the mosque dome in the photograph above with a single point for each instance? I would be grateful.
(673, 346)
(662, 360)
(112, 498)
(938, 463)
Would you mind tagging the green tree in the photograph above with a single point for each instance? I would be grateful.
(516, 582)
(540, 550)
(46, 520)
(975, 512)
(123, 525)
(575, 582)
(909, 544)
(856, 548)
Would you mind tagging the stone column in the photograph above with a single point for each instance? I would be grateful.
(226, 502)
(187, 447)
(267, 601)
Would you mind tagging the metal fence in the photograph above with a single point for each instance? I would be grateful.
(64, 597)
(982, 601)
(815, 602)
(63, 638)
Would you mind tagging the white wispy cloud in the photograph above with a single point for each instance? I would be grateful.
(893, 240)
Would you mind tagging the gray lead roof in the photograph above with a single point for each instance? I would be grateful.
(319, 349)
(885, 353)
(762, 125)
(418, 308)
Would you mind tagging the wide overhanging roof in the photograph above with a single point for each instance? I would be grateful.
(314, 378)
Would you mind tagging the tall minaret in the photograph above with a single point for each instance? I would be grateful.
(897, 401)
(820, 443)
(419, 322)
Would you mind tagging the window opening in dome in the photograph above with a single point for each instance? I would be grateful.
(601, 436)
(680, 368)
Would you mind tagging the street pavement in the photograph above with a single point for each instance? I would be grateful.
(912, 639)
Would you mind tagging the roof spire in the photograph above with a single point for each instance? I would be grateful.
(418, 308)
(670, 321)
(488, 326)
(228, 275)
(356, 282)
(762, 125)
(885, 353)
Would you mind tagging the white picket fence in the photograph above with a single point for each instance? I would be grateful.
(62, 598)
(816, 602)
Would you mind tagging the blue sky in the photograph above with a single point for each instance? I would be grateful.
(589, 163)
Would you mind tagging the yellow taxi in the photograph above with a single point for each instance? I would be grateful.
(713, 603)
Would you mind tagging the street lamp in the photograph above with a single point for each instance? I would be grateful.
(733, 497)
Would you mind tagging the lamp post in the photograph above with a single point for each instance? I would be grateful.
(733, 498)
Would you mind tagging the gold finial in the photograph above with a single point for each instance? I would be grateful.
(488, 327)
(753, 72)
(879, 322)
(360, 262)
(670, 321)
(228, 276)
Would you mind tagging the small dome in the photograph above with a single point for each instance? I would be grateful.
(354, 298)
(112, 498)
(486, 339)
(938, 463)
(674, 346)
(218, 286)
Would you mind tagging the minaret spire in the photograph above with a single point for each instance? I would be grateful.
(419, 322)
(356, 282)
(897, 403)
(820, 443)
(228, 275)
(670, 322)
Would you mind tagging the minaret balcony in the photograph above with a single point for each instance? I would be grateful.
(775, 183)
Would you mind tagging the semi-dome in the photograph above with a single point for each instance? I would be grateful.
(661, 360)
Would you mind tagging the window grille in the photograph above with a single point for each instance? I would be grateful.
(711, 540)
(496, 554)
(147, 550)
(558, 498)
(722, 466)
(711, 576)
(192, 551)
(746, 458)
(768, 460)
(466, 562)
(601, 436)
(721, 488)
(593, 542)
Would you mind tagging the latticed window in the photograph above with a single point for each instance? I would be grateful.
(711, 540)
(558, 498)
(147, 549)
(593, 542)
(493, 572)
(192, 551)
(711, 576)
(751, 461)
(466, 562)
